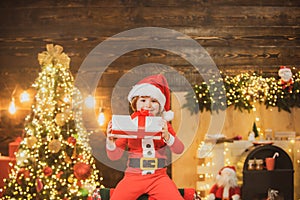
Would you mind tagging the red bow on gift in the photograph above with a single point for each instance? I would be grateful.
(142, 114)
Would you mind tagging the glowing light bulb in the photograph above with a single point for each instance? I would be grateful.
(90, 101)
(101, 118)
(12, 107)
(24, 97)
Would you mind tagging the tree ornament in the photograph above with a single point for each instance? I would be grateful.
(88, 186)
(54, 56)
(31, 141)
(59, 174)
(39, 185)
(54, 146)
(82, 170)
(71, 140)
(286, 76)
(74, 155)
(71, 179)
(60, 119)
(22, 174)
(47, 171)
(67, 159)
(84, 192)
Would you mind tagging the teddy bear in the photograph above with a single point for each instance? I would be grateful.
(226, 187)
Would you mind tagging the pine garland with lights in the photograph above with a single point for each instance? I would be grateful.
(54, 159)
(242, 92)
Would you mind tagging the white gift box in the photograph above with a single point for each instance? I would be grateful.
(123, 126)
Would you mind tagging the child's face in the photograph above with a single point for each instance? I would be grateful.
(148, 103)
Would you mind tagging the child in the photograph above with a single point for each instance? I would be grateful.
(146, 167)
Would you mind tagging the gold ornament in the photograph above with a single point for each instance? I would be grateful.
(71, 179)
(74, 155)
(54, 56)
(31, 141)
(60, 119)
(67, 159)
(54, 146)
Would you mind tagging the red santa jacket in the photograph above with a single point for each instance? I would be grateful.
(218, 191)
(140, 148)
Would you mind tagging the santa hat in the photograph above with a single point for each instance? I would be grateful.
(155, 86)
(283, 69)
(229, 168)
(226, 168)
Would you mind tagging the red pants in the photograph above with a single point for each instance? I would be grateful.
(158, 186)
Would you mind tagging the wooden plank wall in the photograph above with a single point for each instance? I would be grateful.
(240, 36)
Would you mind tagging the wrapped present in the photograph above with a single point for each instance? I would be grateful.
(13, 147)
(136, 126)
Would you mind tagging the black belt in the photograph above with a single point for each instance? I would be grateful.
(147, 163)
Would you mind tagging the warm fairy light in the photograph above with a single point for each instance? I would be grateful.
(12, 107)
(90, 101)
(24, 97)
(243, 91)
(101, 118)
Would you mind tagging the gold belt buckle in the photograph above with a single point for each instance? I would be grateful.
(151, 163)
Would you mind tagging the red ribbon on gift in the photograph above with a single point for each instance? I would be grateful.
(141, 118)
(142, 122)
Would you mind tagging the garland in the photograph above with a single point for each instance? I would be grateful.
(243, 91)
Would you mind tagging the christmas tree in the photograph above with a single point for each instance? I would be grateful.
(54, 160)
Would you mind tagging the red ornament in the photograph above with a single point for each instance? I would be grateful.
(22, 173)
(59, 174)
(82, 170)
(39, 185)
(71, 140)
(47, 171)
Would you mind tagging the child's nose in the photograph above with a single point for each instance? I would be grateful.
(148, 104)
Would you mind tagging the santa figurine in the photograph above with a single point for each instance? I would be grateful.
(226, 187)
(286, 77)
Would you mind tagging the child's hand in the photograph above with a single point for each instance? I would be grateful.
(165, 133)
(109, 130)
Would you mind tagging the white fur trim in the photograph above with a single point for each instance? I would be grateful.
(171, 140)
(225, 192)
(227, 169)
(235, 197)
(110, 145)
(168, 115)
(146, 89)
(211, 196)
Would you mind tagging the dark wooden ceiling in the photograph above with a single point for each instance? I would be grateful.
(240, 36)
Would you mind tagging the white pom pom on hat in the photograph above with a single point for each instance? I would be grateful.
(155, 86)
